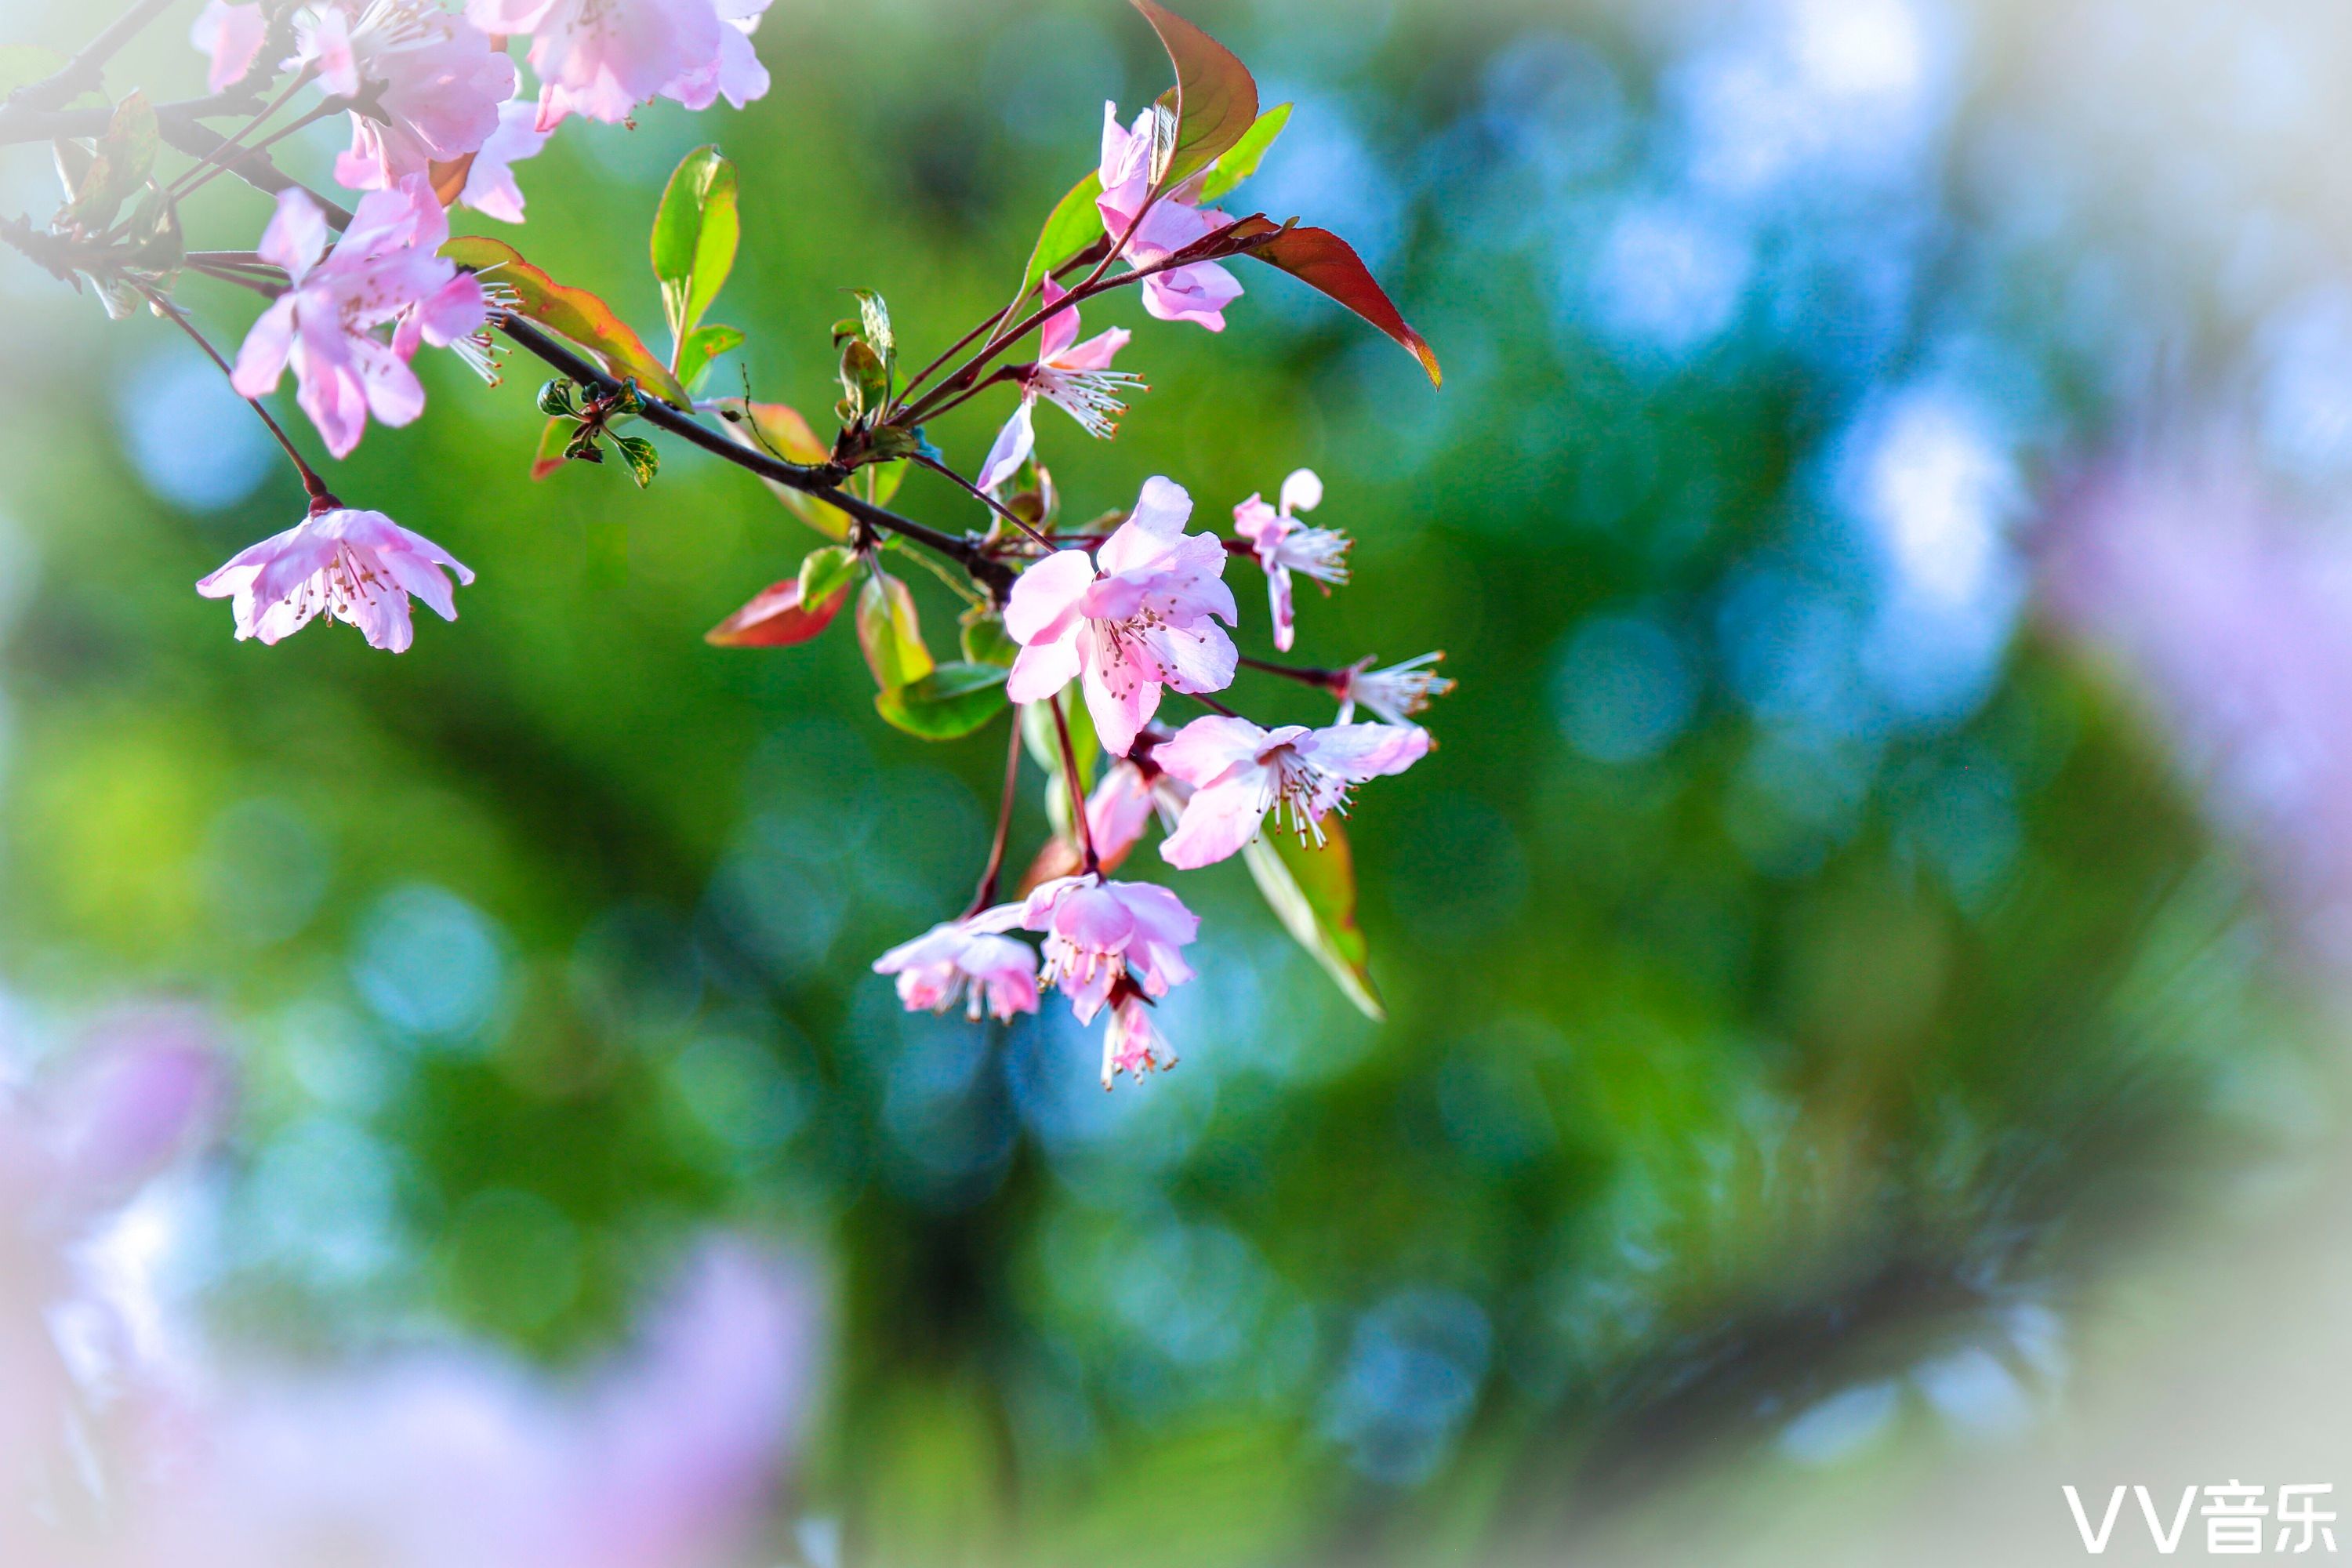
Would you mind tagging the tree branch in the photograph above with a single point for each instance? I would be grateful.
(84, 70)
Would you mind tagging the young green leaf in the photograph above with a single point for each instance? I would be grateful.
(874, 322)
(864, 382)
(555, 397)
(1073, 225)
(947, 704)
(125, 155)
(696, 230)
(582, 447)
(1216, 98)
(574, 313)
(825, 571)
(643, 457)
(779, 615)
(1312, 892)
(1241, 159)
(1323, 261)
(985, 641)
(702, 346)
(888, 633)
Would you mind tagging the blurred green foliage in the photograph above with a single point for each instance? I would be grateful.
(1718, 1037)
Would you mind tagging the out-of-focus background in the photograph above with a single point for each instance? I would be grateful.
(1866, 965)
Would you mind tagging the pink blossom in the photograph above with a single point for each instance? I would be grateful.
(1075, 377)
(1240, 771)
(1286, 545)
(490, 186)
(1132, 1044)
(233, 37)
(1133, 618)
(603, 58)
(964, 960)
(1149, 232)
(1394, 694)
(1099, 933)
(426, 84)
(385, 272)
(358, 567)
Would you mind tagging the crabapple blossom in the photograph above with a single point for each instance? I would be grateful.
(1099, 933)
(232, 37)
(490, 188)
(1239, 772)
(964, 960)
(1132, 1044)
(426, 85)
(1395, 694)
(1286, 545)
(1138, 615)
(605, 58)
(357, 567)
(1075, 377)
(1122, 806)
(1149, 232)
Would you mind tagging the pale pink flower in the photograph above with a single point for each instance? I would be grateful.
(426, 84)
(1138, 615)
(357, 567)
(1132, 1044)
(385, 272)
(490, 186)
(1239, 772)
(1395, 694)
(603, 58)
(1199, 292)
(1075, 377)
(232, 36)
(965, 961)
(1099, 933)
(1286, 545)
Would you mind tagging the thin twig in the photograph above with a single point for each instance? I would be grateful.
(1328, 680)
(86, 69)
(985, 894)
(1078, 789)
(1006, 512)
(321, 498)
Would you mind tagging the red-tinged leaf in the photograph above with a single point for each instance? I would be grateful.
(1322, 260)
(1312, 891)
(1057, 857)
(1216, 98)
(552, 442)
(889, 633)
(776, 619)
(449, 179)
(574, 313)
(780, 432)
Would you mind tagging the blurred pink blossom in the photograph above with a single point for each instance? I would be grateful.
(605, 59)
(1132, 1043)
(231, 37)
(964, 960)
(425, 84)
(1099, 933)
(1286, 545)
(1199, 292)
(357, 567)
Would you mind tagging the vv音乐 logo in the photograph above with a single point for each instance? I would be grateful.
(2239, 1520)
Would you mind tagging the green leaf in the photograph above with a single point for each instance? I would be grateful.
(985, 641)
(696, 230)
(574, 313)
(889, 633)
(874, 321)
(1216, 98)
(643, 457)
(864, 380)
(1241, 159)
(1312, 892)
(947, 704)
(779, 615)
(581, 445)
(156, 245)
(1045, 750)
(825, 571)
(780, 432)
(555, 397)
(881, 480)
(1322, 260)
(125, 155)
(703, 345)
(1070, 227)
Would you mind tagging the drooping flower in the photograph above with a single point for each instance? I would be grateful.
(605, 58)
(1239, 772)
(385, 272)
(1075, 377)
(426, 85)
(1138, 615)
(357, 567)
(1099, 933)
(1395, 694)
(1122, 806)
(965, 961)
(232, 36)
(1149, 234)
(490, 186)
(1132, 1044)
(1286, 545)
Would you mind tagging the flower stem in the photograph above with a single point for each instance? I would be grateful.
(1327, 679)
(321, 498)
(1078, 789)
(985, 894)
(1007, 513)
